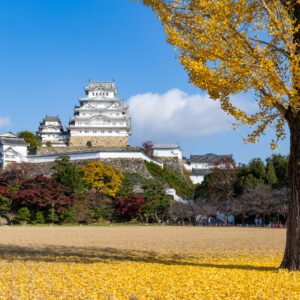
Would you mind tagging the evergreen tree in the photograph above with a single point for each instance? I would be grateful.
(23, 215)
(68, 174)
(39, 217)
(280, 163)
(271, 177)
(30, 138)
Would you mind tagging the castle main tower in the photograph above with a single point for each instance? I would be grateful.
(101, 119)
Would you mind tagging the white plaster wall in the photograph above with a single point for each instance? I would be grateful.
(201, 165)
(20, 149)
(167, 153)
(100, 93)
(92, 155)
(187, 167)
(197, 179)
(20, 156)
(83, 132)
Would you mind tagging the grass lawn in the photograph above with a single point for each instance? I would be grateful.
(140, 262)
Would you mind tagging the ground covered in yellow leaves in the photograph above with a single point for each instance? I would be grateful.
(143, 263)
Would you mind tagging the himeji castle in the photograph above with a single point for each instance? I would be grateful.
(101, 119)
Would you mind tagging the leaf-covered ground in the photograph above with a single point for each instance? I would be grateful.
(143, 263)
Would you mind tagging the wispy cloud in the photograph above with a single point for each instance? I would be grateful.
(4, 122)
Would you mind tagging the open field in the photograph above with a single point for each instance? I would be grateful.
(141, 262)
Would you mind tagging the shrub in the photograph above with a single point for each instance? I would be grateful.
(68, 216)
(130, 183)
(68, 174)
(42, 192)
(5, 204)
(52, 217)
(23, 215)
(39, 217)
(128, 207)
(171, 179)
(102, 208)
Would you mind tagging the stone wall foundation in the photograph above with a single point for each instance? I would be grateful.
(99, 141)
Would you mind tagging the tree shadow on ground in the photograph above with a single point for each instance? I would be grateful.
(89, 255)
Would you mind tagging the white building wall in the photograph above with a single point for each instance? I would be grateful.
(188, 167)
(12, 154)
(197, 179)
(201, 165)
(167, 153)
(22, 150)
(92, 155)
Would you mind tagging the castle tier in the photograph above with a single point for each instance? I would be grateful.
(101, 119)
(51, 132)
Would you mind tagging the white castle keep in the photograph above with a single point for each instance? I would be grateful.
(51, 132)
(100, 120)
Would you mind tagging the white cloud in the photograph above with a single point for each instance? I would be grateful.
(176, 115)
(5, 122)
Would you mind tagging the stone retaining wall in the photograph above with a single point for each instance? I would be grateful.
(71, 149)
(100, 141)
(126, 165)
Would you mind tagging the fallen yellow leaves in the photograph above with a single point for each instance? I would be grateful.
(133, 277)
(143, 262)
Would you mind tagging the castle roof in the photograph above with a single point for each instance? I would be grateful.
(166, 146)
(12, 141)
(8, 135)
(209, 158)
(101, 85)
(52, 119)
(200, 172)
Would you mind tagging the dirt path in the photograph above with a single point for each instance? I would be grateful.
(160, 239)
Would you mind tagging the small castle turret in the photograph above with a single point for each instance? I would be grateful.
(51, 132)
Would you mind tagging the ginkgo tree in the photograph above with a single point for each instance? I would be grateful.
(246, 46)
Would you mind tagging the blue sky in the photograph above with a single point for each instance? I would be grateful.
(51, 48)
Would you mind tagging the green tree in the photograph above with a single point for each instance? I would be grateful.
(68, 216)
(31, 139)
(251, 174)
(68, 174)
(102, 208)
(156, 203)
(52, 217)
(39, 217)
(23, 215)
(5, 204)
(270, 174)
(257, 169)
(280, 163)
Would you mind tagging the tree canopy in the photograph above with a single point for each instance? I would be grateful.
(231, 47)
(31, 139)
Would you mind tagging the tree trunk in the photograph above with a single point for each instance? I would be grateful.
(291, 259)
